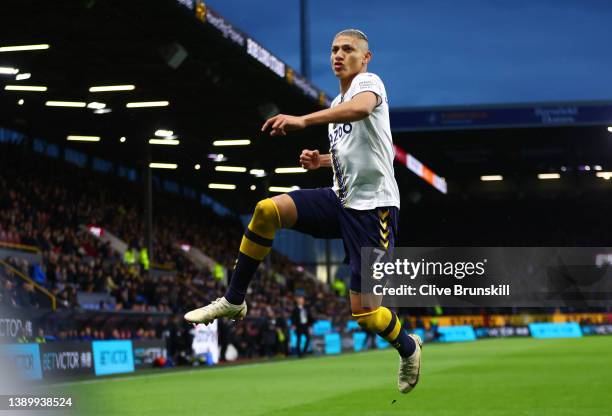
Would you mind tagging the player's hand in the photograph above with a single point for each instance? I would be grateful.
(280, 124)
(309, 159)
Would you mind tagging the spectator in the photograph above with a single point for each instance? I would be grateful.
(301, 321)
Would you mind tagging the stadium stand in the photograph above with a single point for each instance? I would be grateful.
(37, 210)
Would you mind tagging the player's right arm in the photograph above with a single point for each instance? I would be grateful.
(311, 160)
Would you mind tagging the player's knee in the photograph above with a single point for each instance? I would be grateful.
(369, 321)
(266, 212)
(265, 217)
(364, 323)
(381, 320)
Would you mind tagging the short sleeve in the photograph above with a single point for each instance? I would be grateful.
(368, 82)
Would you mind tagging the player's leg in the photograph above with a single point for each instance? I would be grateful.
(378, 228)
(383, 322)
(269, 215)
(312, 211)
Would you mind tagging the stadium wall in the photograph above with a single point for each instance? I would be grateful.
(82, 359)
(77, 359)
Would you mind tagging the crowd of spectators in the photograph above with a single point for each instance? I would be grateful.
(48, 213)
(15, 292)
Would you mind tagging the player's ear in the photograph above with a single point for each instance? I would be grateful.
(367, 57)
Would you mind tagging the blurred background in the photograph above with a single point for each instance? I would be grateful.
(131, 158)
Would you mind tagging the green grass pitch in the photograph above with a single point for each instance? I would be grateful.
(511, 377)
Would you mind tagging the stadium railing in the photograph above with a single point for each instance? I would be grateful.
(15, 246)
(39, 288)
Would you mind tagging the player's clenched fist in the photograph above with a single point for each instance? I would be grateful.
(309, 159)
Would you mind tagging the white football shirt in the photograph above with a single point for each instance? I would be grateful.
(362, 152)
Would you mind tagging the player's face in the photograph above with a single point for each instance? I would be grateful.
(349, 56)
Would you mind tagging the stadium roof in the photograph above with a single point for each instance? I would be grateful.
(217, 92)
(220, 84)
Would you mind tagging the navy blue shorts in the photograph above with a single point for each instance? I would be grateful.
(321, 215)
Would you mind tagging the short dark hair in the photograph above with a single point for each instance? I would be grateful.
(356, 33)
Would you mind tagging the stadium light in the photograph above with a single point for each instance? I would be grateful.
(21, 77)
(20, 102)
(290, 170)
(226, 186)
(490, 178)
(24, 88)
(96, 106)
(548, 176)
(597, 167)
(610, 129)
(604, 175)
(243, 142)
(8, 71)
(230, 169)
(156, 165)
(74, 138)
(122, 139)
(258, 173)
(283, 189)
(197, 166)
(253, 187)
(76, 104)
(144, 104)
(164, 133)
(24, 48)
(109, 88)
(167, 142)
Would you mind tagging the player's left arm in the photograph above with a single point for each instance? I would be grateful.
(358, 108)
